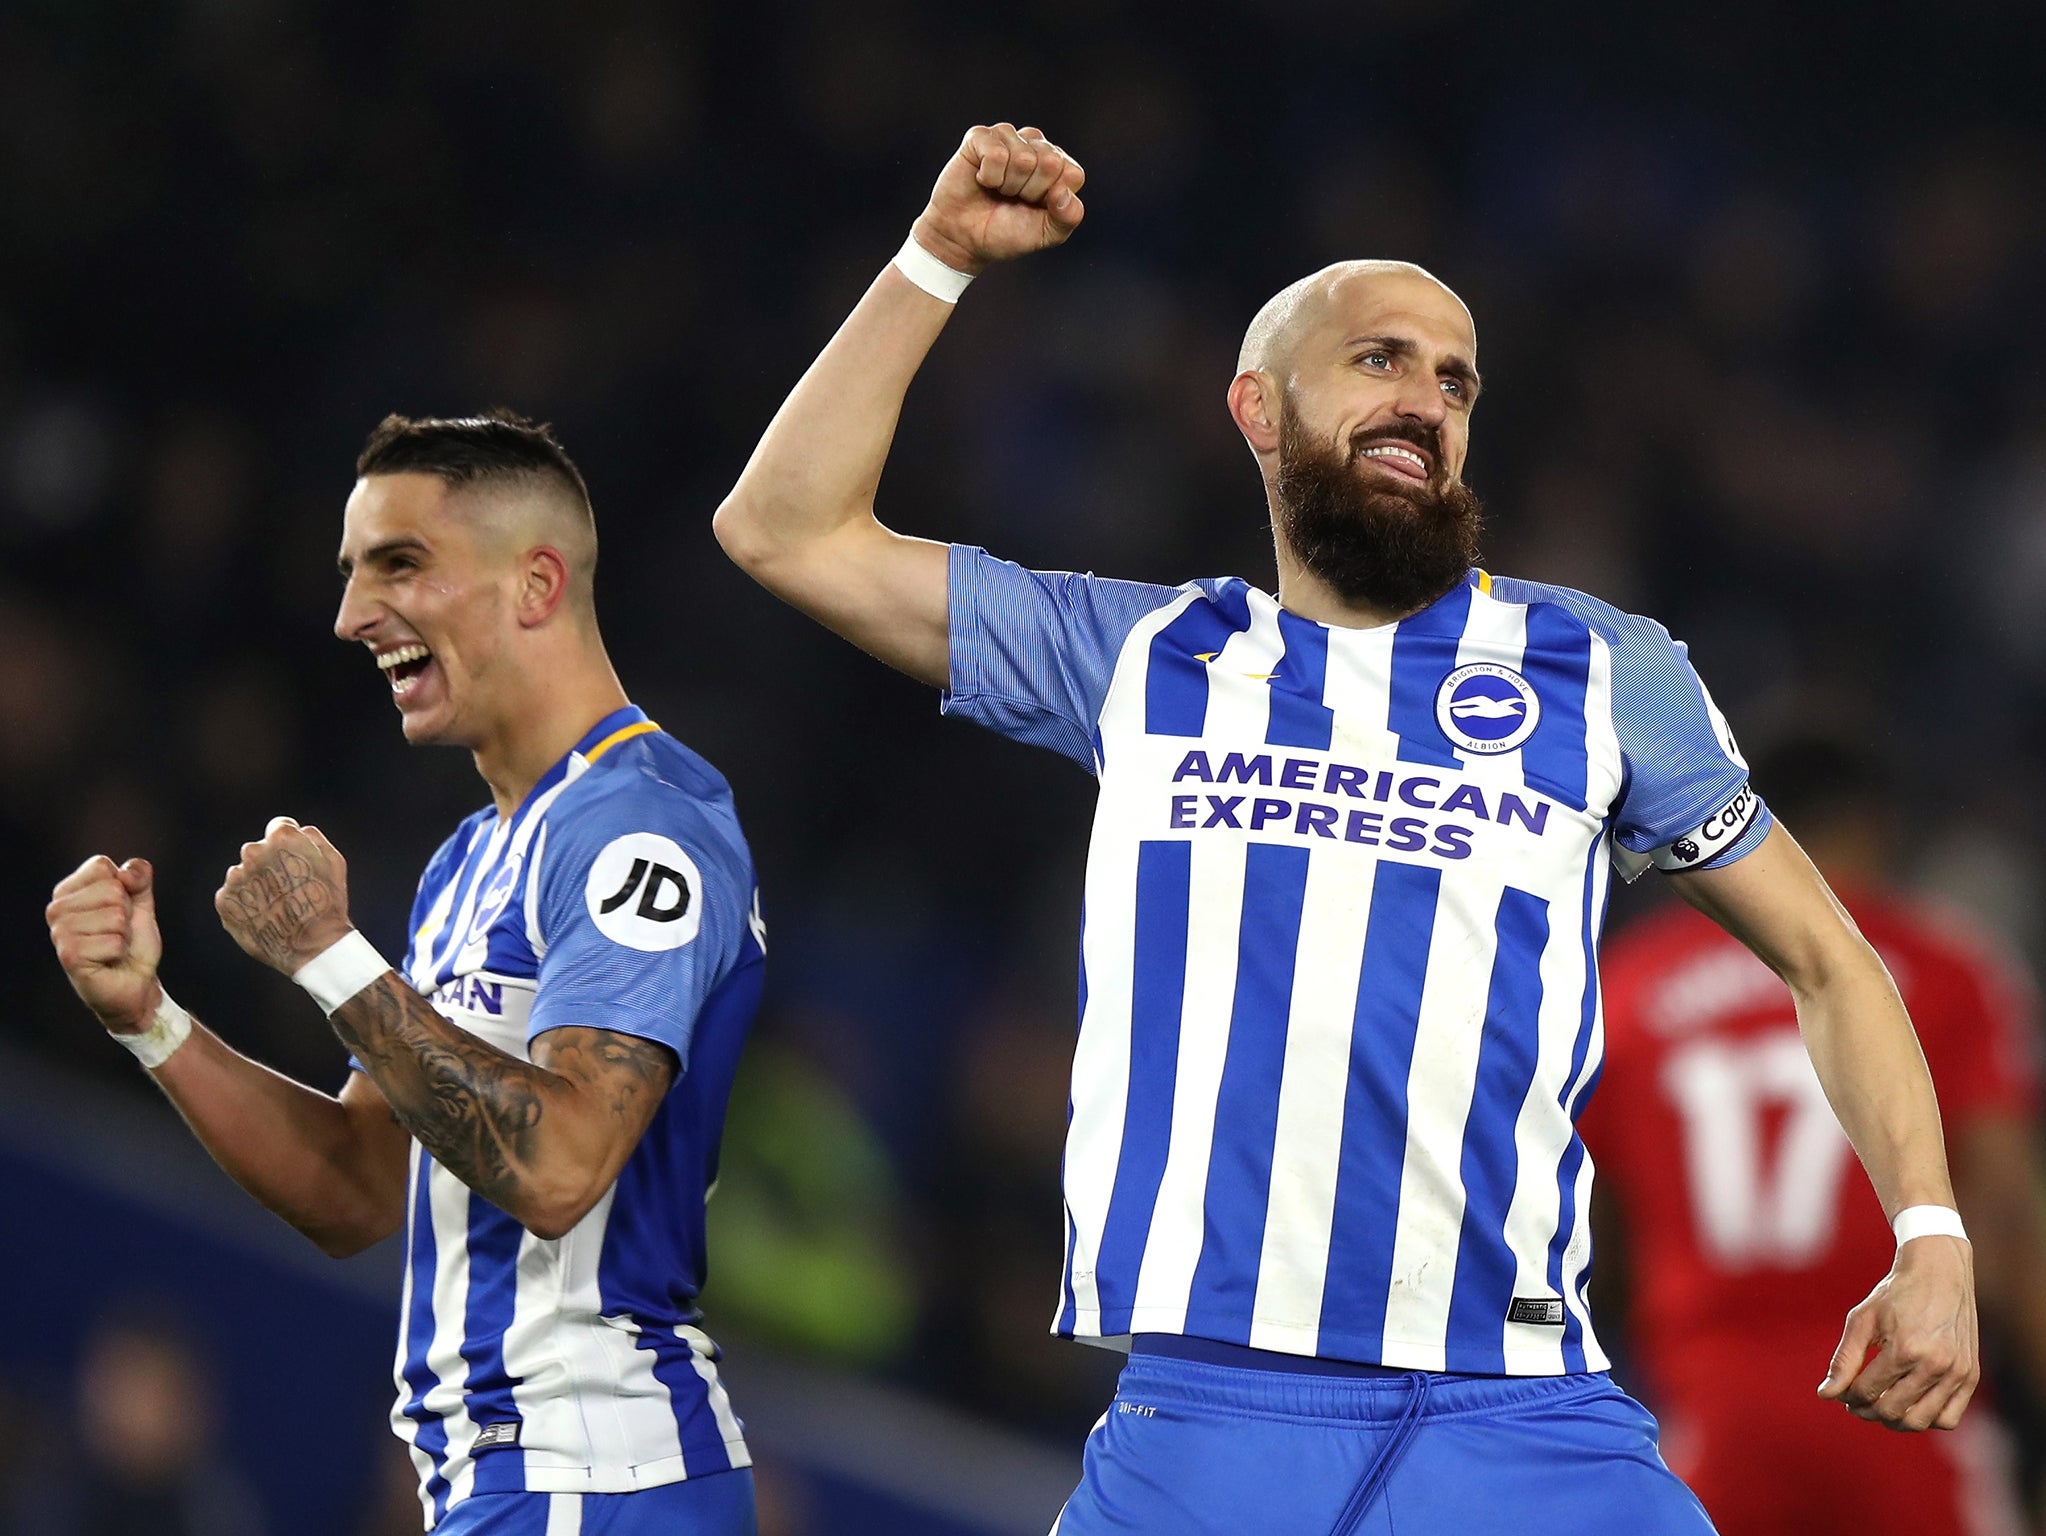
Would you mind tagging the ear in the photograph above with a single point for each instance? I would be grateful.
(1254, 403)
(543, 586)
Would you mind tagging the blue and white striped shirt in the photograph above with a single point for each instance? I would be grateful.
(619, 895)
(1339, 991)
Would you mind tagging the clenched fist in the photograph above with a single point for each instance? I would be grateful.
(287, 900)
(1009, 191)
(102, 919)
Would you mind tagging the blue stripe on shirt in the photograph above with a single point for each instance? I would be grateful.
(1157, 996)
(1557, 663)
(1572, 1162)
(1424, 653)
(432, 1438)
(1396, 939)
(1240, 1174)
(1507, 1053)
(1176, 679)
(1298, 716)
(493, 1293)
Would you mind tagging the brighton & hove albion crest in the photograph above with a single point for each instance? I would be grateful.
(1486, 708)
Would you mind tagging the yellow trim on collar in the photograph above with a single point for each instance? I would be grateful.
(1485, 582)
(623, 733)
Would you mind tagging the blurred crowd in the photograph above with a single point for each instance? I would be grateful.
(1760, 351)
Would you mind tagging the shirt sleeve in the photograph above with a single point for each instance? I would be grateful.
(1687, 803)
(640, 917)
(1033, 652)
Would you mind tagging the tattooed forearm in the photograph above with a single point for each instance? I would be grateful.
(511, 1130)
(473, 1107)
(623, 1071)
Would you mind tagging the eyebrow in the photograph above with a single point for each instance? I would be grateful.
(383, 551)
(1454, 365)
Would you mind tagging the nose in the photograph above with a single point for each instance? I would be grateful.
(1421, 399)
(356, 614)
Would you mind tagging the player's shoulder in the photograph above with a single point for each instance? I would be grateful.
(997, 584)
(650, 784)
(1624, 632)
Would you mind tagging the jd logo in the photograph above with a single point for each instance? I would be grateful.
(644, 892)
(653, 905)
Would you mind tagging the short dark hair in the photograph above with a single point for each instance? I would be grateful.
(462, 450)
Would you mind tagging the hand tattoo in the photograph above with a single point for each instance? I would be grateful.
(274, 910)
(481, 1112)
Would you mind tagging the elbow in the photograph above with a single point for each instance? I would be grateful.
(737, 527)
(345, 1240)
(551, 1214)
(341, 1245)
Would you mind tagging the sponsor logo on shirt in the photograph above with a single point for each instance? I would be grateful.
(1322, 802)
(644, 892)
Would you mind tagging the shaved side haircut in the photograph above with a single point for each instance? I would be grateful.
(498, 449)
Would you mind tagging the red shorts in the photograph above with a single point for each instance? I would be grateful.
(1770, 1460)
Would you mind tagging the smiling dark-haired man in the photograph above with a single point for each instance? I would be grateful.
(1340, 1007)
(541, 1086)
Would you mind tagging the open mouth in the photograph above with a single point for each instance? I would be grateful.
(1398, 458)
(404, 667)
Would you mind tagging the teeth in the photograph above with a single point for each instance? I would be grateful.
(403, 654)
(1387, 451)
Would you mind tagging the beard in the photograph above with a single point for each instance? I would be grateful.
(1368, 538)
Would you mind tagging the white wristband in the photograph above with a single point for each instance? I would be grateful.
(929, 273)
(1927, 1221)
(169, 1027)
(340, 971)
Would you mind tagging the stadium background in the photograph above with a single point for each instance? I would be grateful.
(1761, 310)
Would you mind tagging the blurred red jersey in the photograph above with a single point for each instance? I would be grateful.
(1750, 1228)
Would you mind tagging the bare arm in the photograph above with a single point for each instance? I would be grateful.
(333, 1168)
(801, 518)
(1922, 1316)
(541, 1140)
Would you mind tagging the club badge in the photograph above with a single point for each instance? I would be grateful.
(1487, 709)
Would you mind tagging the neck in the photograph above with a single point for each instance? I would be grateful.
(556, 707)
(1304, 593)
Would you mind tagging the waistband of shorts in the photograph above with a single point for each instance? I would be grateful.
(1184, 1346)
(1159, 1380)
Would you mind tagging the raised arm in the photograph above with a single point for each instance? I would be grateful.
(542, 1139)
(332, 1167)
(1921, 1318)
(801, 519)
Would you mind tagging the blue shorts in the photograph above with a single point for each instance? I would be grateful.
(720, 1504)
(1192, 1448)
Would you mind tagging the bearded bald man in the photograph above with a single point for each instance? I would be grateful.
(1340, 1000)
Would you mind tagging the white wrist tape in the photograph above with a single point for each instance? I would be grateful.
(1927, 1221)
(169, 1027)
(929, 273)
(340, 971)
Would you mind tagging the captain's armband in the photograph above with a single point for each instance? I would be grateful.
(1698, 847)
